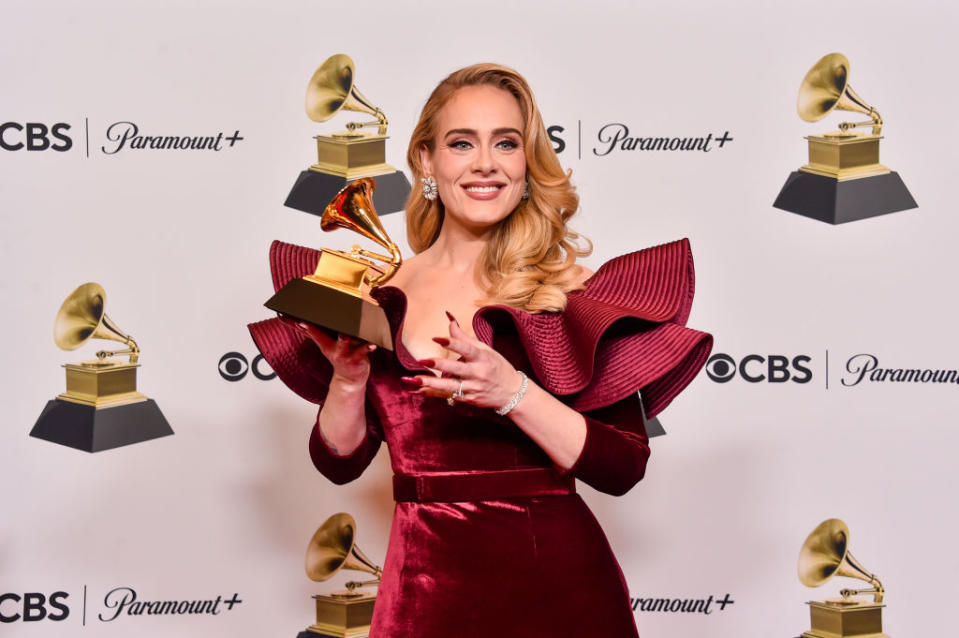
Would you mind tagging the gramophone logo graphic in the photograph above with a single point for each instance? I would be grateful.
(347, 155)
(101, 408)
(843, 180)
(346, 613)
(826, 554)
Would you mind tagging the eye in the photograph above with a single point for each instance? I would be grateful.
(721, 368)
(461, 145)
(507, 145)
(233, 366)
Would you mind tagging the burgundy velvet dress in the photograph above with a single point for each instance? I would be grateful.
(489, 538)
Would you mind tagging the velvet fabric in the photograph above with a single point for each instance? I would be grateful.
(518, 553)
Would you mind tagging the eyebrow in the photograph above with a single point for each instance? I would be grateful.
(470, 131)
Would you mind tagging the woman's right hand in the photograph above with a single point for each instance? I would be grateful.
(349, 356)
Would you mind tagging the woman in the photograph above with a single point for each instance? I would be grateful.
(491, 409)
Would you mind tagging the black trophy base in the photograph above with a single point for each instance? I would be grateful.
(315, 634)
(835, 202)
(654, 427)
(86, 428)
(313, 191)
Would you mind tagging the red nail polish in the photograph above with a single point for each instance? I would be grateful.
(429, 363)
(443, 341)
(412, 380)
(452, 318)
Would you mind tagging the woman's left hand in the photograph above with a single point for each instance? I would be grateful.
(488, 379)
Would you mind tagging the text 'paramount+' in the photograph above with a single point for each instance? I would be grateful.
(865, 367)
(126, 135)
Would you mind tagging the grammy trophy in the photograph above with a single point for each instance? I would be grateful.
(843, 180)
(336, 296)
(346, 613)
(345, 155)
(101, 408)
(826, 554)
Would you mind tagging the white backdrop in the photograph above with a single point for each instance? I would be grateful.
(179, 240)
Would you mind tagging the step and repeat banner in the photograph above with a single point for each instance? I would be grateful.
(150, 147)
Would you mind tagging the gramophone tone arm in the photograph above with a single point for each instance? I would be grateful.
(133, 351)
(392, 264)
(876, 590)
(381, 122)
(875, 123)
(354, 584)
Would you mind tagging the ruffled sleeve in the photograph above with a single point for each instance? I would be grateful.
(299, 363)
(623, 333)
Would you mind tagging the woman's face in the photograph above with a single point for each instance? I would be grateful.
(478, 160)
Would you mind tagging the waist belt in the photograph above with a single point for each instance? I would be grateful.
(481, 486)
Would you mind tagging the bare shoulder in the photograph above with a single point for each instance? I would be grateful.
(582, 274)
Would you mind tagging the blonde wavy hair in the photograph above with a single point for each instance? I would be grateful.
(528, 262)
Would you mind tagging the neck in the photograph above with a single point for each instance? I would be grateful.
(458, 248)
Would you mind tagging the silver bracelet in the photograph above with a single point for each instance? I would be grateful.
(516, 397)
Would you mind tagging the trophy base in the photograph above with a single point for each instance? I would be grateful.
(313, 191)
(341, 617)
(837, 202)
(854, 620)
(334, 309)
(102, 384)
(92, 429)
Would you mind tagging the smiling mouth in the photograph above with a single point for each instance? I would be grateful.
(482, 189)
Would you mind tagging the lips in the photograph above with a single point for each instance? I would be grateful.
(483, 190)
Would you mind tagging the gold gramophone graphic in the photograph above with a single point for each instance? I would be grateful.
(336, 295)
(843, 180)
(352, 153)
(101, 408)
(826, 554)
(349, 154)
(346, 613)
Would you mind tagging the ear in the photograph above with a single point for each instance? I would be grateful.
(426, 160)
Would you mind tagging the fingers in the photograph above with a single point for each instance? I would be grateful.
(434, 386)
(456, 368)
(325, 341)
(333, 348)
(460, 341)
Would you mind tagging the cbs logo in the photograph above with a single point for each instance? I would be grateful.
(755, 368)
(33, 606)
(554, 132)
(234, 366)
(35, 136)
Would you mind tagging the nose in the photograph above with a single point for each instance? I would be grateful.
(483, 159)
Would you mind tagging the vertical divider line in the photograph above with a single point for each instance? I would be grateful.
(827, 368)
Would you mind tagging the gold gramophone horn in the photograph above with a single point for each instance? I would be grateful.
(826, 87)
(352, 208)
(826, 554)
(331, 90)
(81, 317)
(333, 547)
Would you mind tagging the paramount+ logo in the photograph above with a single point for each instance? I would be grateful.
(759, 368)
